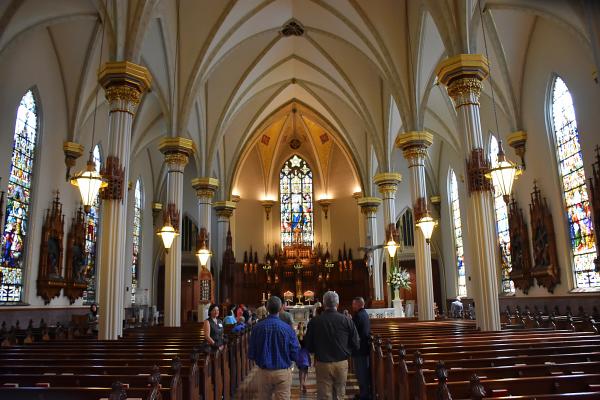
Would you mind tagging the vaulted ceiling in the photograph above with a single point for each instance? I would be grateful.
(360, 70)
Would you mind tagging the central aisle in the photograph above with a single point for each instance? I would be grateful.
(248, 389)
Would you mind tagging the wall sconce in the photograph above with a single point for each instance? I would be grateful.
(325, 203)
(518, 140)
(268, 205)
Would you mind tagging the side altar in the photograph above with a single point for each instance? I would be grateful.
(302, 271)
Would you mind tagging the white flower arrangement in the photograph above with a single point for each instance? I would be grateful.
(399, 279)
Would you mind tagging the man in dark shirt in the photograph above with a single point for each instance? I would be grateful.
(360, 357)
(273, 347)
(333, 338)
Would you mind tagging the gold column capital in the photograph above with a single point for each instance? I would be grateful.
(205, 187)
(176, 149)
(369, 205)
(387, 181)
(414, 144)
(72, 152)
(462, 66)
(224, 208)
(324, 204)
(124, 80)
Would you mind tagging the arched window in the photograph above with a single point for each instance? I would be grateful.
(570, 166)
(137, 237)
(458, 236)
(18, 195)
(406, 227)
(502, 226)
(296, 194)
(91, 238)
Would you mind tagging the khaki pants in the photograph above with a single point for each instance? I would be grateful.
(274, 384)
(331, 380)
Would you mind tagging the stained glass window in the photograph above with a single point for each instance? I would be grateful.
(137, 238)
(92, 222)
(18, 200)
(458, 236)
(577, 205)
(296, 194)
(502, 227)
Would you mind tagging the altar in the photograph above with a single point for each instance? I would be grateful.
(300, 313)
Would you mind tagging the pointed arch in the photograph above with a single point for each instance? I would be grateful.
(573, 185)
(296, 201)
(457, 232)
(18, 195)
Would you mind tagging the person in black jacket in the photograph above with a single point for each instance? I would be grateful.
(332, 338)
(360, 357)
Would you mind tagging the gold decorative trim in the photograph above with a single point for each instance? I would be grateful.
(235, 198)
(369, 205)
(224, 208)
(125, 93)
(126, 73)
(462, 66)
(176, 158)
(435, 199)
(518, 141)
(74, 149)
(176, 144)
(387, 182)
(414, 139)
(465, 87)
(207, 183)
(268, 205)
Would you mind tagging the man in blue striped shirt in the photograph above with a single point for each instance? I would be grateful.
(273, 347)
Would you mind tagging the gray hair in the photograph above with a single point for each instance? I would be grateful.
(273, 305)
(331, 300)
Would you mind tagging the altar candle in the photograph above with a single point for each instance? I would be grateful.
(263, 298)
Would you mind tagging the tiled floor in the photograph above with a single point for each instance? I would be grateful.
(248, 390)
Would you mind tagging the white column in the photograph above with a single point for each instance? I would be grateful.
(205, 190)
(368, 207)
(124, 84)
(224, 210)
(414, 145)
(388, 182)
(463, 75)
(177, 151)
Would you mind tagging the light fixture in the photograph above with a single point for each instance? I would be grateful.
(391, 245)
(167, 233)
(89, 181)
(203, 252)
(426, 223)
(504, 174)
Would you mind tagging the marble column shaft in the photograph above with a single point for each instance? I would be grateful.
(414, 146)
(463, 76)
(177, 151)
(124, 84)
(205, 190)
(368, 207)
(224, 210)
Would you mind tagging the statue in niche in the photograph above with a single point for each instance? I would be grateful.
(50, 279)
(519, 248)
(546, 270)
(53, 256)
(76, 269)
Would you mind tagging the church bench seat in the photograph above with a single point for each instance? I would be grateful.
(72, 393)
(526, 386)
